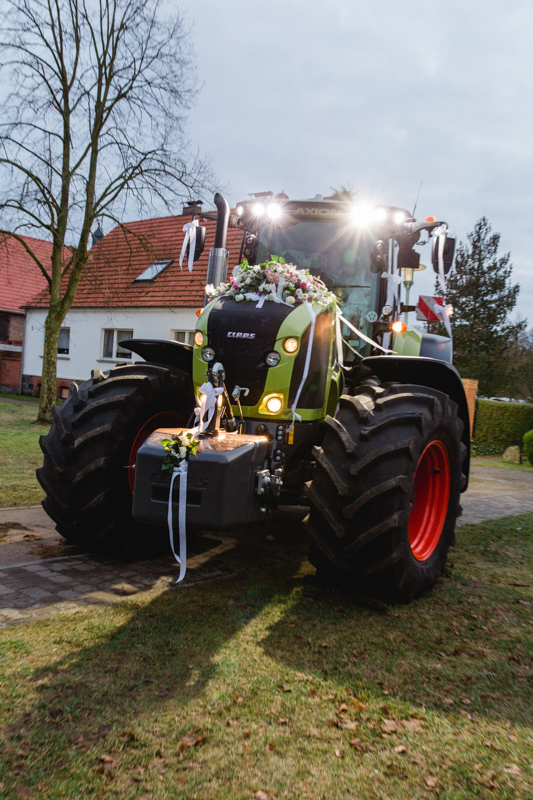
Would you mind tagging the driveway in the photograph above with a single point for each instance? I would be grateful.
(41, 575)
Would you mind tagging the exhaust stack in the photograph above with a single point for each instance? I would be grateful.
(217, 266)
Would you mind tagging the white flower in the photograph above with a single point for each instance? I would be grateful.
(182, 452)
(239, 297)
(290, 300)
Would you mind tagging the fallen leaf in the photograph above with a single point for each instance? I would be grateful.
(232, 723)
(260, 795)
(246, 749)
(237, 698)
(107, 759)
(430, 781)
(314, 732)
(389, 726)
(127, 736)
(190, 739)
(449, 701)
(400, 748)
(246, 734)
(465, 701)
(283, 721)
(182, 778)
(286, 687)
(343, 707)
(512, 769)
(357, 744)
(346, 724)
(270, 747)
(490, 743)
(338, 753)
(413, 724)
(358, 704)
(512, 737)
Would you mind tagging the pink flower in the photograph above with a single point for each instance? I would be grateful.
(303, 285)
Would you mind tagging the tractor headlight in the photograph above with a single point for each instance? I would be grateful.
(272, 359)
(290, 345)
(208, 354)
(198, 338)
(274, 404)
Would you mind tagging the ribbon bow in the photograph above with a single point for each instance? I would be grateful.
(207, 404)
(190, 238)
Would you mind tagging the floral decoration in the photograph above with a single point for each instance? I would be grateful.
(179, 448)
(275, 281)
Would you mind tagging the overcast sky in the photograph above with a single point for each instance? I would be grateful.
(379, 95)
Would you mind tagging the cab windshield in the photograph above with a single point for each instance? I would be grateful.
(340, 257)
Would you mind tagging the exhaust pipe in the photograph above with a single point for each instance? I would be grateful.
(217, 266)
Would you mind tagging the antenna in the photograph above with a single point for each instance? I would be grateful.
(418, 195)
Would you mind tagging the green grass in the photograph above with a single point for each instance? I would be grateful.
(21, 455)
(273, 683)
(26, 397)
(495, 461)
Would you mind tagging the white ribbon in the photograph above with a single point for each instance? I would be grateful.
(181, 470)
(190, 237)
(362, 335)
(206, 405)
(440, 234)
(392, 282)
(443, 313)
(312, 314)
(338, 336)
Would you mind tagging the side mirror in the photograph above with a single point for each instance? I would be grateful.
(250, 247)
(378, 257)
(442, 252)
(407, 257)
(199, 244)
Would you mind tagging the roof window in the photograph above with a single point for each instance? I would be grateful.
(153, 271)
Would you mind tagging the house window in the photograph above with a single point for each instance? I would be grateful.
(110, 343)
(4, 327)
(186, 337)
(153, 271)
(63, 345)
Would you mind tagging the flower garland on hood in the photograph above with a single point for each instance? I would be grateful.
(274, 281)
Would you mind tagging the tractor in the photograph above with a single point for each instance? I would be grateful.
(332, 402)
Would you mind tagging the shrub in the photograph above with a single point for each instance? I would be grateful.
(479, 449)
(528, 446)
(501, 425)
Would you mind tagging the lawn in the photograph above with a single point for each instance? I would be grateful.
(273, 685)
(20, 454)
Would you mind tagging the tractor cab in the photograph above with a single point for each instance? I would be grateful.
(351, 248)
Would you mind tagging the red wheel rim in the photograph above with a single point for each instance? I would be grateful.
(430, 506)
(165, 419)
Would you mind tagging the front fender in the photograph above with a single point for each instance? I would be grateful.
(429, 372)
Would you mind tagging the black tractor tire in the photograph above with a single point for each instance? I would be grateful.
(385, 492)
(90, 449)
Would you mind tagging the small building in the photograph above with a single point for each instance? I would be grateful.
(20, 280)
(132, 287)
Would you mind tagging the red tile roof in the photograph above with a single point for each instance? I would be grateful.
(109, 278)
(20, 277)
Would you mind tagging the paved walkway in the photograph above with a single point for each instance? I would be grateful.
(41, 575)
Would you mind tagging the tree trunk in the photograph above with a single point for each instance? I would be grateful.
(48, 381)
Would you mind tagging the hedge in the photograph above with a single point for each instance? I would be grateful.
(501, 425)
(528, 446)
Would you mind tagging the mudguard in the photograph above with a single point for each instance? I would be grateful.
(162, 351)
(429, 372)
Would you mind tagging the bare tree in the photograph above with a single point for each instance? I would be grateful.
(98, 95)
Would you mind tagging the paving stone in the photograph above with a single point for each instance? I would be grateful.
(37, 593)
(58, 578)
(68, 594)
(6, 589)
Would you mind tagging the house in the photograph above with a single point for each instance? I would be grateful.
(132, 287)
(20, 280)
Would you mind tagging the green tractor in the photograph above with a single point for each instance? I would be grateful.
(323, 398)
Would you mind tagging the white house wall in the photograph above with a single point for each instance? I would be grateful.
(86, 327)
